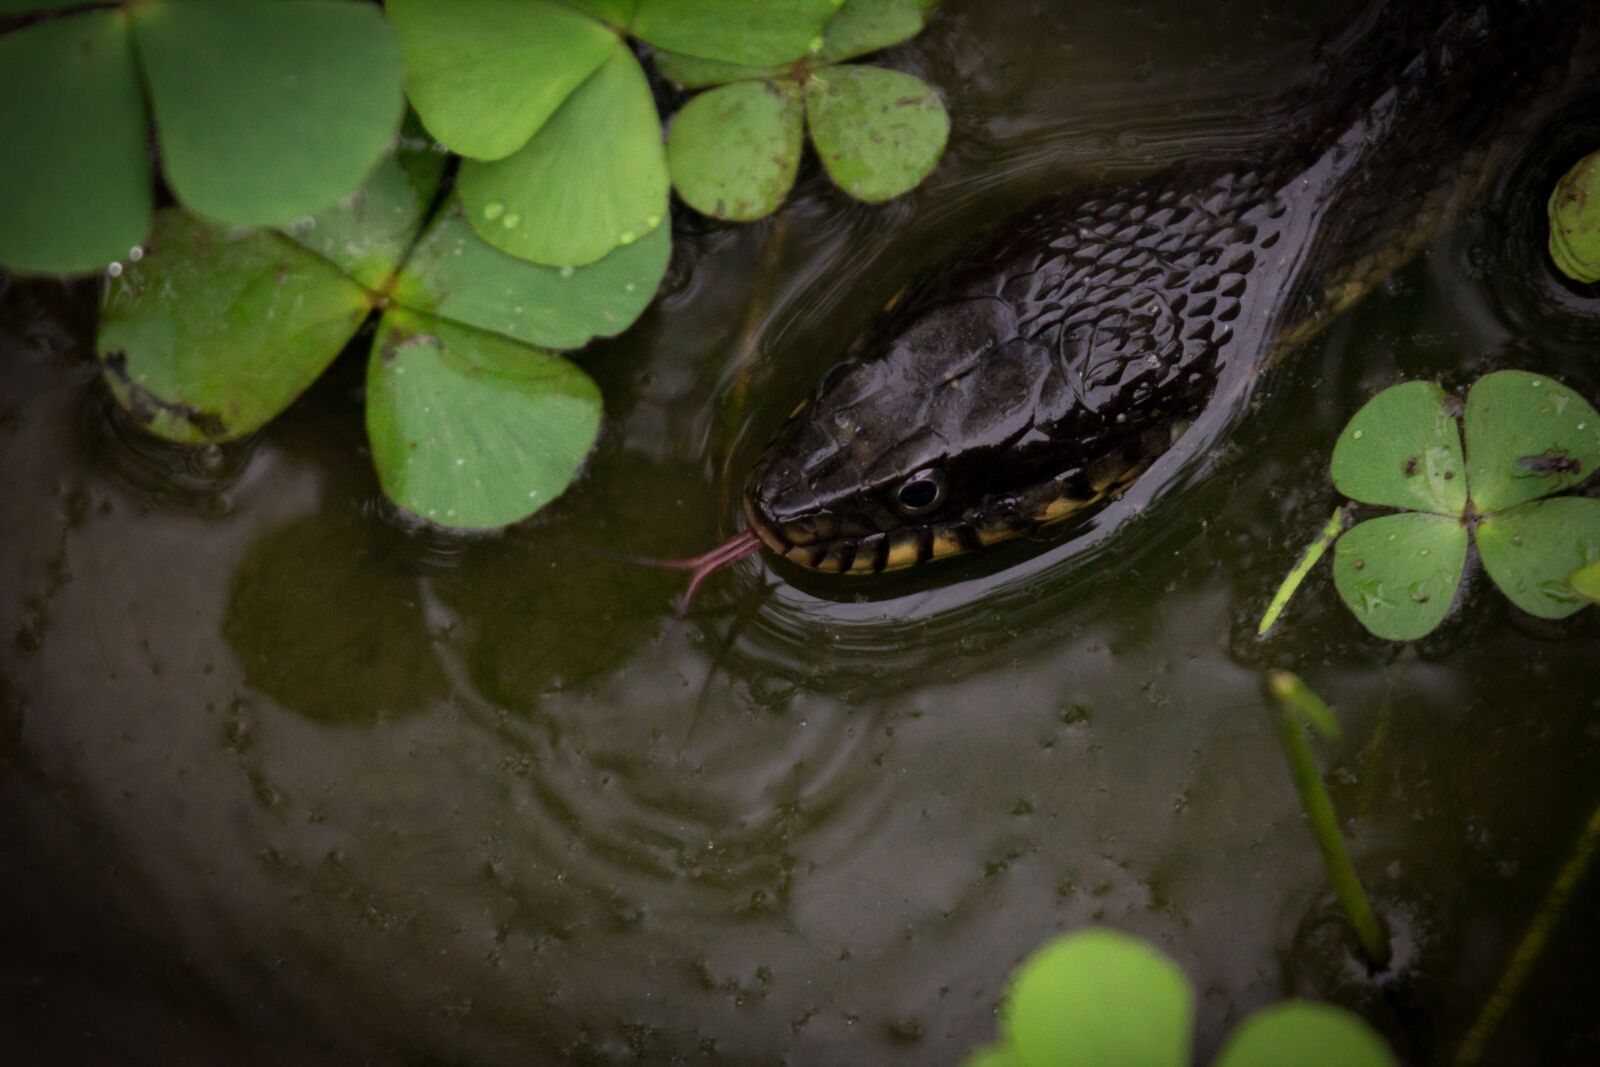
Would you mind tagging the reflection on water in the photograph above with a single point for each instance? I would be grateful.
(288, 779)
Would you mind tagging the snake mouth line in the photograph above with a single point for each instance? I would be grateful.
(1052, 502)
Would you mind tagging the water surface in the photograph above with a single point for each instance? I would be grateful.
(285, 779)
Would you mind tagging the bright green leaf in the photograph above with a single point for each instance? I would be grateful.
(864, 26)
(268, 110)
(211, 334)
(733, 151)
(74, 176)
(1586, 581)
(755, 32)
(1530, 550)
(693, 72)
(472, 430)
(1399, 573)
(1403, 450)
(485, 75)
(593, 177)
(1575, 221)
(1100, 997)
(455, 275)
(368, 234)
(1297, 1034)
(618, 13)
(1527, 436)
(879, 132)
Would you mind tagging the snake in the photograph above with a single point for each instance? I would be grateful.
(1039, 373)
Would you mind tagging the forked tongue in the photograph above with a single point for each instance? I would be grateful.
(704, 565)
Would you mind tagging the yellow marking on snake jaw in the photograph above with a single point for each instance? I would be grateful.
(946, 545)
(902, 554)
(1061, 507)
(993, 535)
(864, 563)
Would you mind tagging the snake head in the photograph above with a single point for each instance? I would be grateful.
(926, 447)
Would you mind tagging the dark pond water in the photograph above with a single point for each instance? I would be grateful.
(282, 781)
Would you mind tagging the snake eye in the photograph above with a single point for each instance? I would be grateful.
(920, 493)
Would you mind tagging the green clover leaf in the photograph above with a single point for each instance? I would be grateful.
(1527, 438)
(473, 422)
(265, 111)
(732, 151)
(544, 98)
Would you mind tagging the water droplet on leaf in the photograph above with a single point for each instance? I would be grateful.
(493, 210)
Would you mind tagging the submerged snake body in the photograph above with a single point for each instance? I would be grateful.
(1046, 369)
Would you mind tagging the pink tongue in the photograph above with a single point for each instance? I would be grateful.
(702, 566)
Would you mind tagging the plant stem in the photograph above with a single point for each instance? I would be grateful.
(1297, 574)
(1298, 704)
(1532, 944)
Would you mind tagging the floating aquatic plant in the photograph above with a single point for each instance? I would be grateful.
(1586, 582)
(264, 111)
(268, 112)
(1100, 997)
(555, 116)
(1528, 440)
(733, 151)
(473, 421)
(1575, 221)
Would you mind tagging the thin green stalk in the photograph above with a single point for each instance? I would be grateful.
(1308, 559)
(1532, 944)
(1297, 704)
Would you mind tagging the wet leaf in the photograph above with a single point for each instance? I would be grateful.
(472, 430)
(74, 176)
(212, 334)
(734, 150)
(693, 72)
(879, 132)
(1305, 1035)
(593, 177)
(368, 234)
(1399, 573)
(456, 275)
(485, 75)
(1100, 997)
(1530, 550)
(755, 32)
(1586, 581)
(268, 110)
(1403, 450)
(1527, 436)
(618, 13)
(863, 26)
(1575, 221)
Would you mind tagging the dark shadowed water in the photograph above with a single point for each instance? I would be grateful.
(281, 780)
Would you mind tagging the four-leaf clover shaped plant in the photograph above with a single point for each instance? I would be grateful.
(1529, 440)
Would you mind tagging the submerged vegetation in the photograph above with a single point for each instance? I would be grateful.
(1529, 440)
(525, 212)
